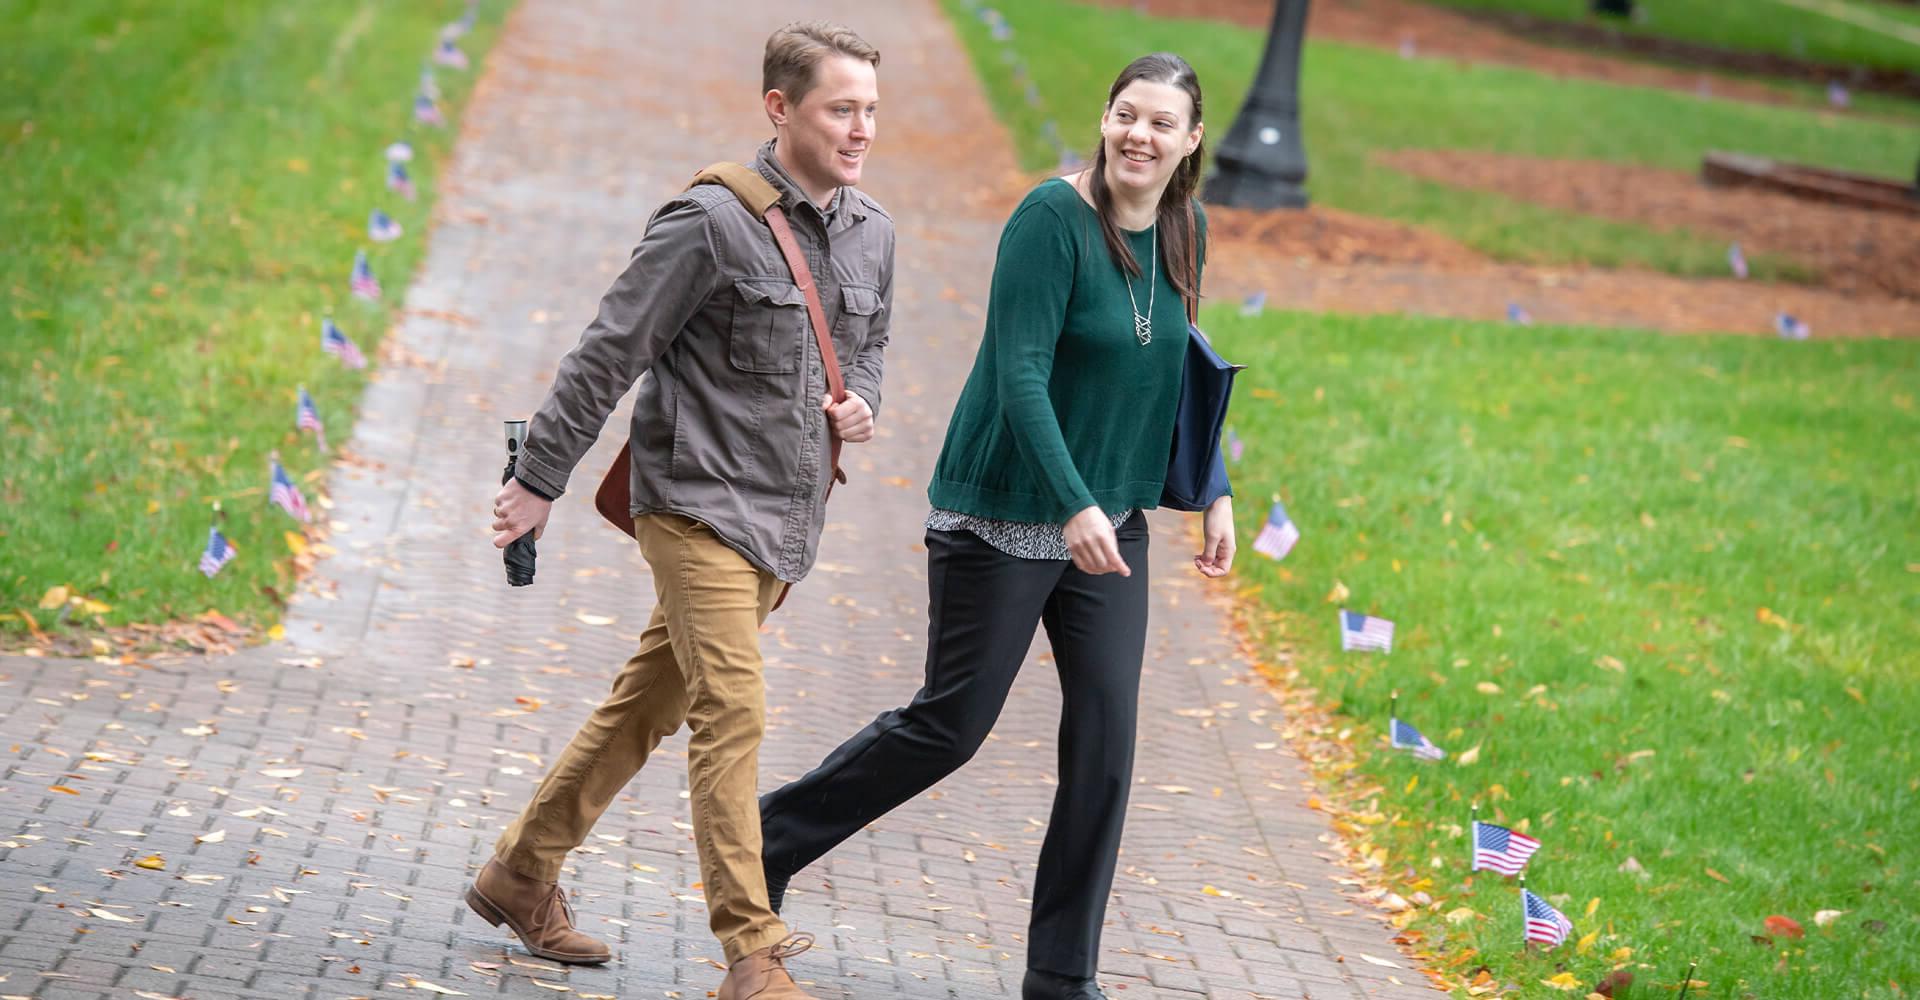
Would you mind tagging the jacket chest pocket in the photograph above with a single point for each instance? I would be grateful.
(859, 311)
(769, 327)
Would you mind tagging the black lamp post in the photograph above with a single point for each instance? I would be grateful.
(1262, 163)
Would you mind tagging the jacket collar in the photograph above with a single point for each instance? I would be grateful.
(840, 213)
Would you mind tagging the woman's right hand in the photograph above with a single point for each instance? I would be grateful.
(1095, 548)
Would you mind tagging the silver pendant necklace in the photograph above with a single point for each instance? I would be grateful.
(1143, 325)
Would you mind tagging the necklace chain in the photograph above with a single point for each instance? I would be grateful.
(1143, 325)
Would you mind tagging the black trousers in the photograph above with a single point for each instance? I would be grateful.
(981, 610)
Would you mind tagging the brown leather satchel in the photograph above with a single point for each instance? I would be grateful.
(614, 499)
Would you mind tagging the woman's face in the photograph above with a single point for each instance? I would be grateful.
(1147, 130)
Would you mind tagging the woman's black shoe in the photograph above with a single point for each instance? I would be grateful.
(1053, 986)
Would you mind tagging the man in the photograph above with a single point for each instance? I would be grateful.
(730, 470)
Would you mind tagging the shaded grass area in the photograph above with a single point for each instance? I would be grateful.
(1358, 101)
(184, 185)
(1751, 25)
(1664, 592)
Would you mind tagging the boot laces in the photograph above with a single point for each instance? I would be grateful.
(792, 946)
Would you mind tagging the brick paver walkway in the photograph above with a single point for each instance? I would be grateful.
(319, 804)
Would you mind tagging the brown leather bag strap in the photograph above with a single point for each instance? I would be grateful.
(763, 201)
(817, 318)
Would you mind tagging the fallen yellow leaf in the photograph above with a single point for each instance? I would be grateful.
(53, 598)
(1563, 981)
(110, 915)
(1586, 942)
(211, 838)
(152, 862)
(1468, 756)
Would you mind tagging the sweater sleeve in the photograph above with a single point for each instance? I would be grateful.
(1026, 311)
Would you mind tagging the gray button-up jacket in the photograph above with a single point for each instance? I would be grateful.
(727, 425)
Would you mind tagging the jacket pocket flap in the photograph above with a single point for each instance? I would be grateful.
(773, 291)
(860, 300)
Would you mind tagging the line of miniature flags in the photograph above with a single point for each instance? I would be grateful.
(1002, 32)
(1494, 848)
(282, 491)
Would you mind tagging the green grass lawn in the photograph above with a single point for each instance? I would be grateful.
(183, 186)
(1749, 25)
(1359, 101)
(1576, 533)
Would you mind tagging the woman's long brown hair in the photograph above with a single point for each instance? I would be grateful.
(1173, 220)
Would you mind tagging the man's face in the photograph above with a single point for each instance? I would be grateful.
(824, 138)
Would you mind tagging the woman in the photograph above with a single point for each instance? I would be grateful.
(1059, 441)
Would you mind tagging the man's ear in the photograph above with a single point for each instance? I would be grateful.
(777, 108)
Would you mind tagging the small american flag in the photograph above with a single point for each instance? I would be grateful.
(334, 341)
(426, 111)
(365, 285)
(400, 152)
(1517, 314)
(449, 54)
(219, 552)
(381, 228)
(1737, 260)
(1837, 95)
(1358, 631)
(1278, 535)
(1407, 48)
(308, 417)
(1254, 304)
(1791, 327)
(286, 494)
(1499, 849)
(397, 180)
(1405, 737)
(1544, 923)
(429, 87)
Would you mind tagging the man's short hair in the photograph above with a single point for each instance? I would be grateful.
(794, 54)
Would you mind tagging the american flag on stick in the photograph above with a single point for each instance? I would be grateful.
(364, 284)
(1405, 737)
(308, 418)
(218, 553)
(1278, 535)
(1544, 923)
(1499, 849)
(285, 494)
(334, 341)
(1358, 631)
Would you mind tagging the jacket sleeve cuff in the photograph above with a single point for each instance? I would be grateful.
(534, 488)
(540, 477)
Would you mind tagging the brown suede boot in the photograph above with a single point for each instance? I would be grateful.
(536, 911)
(763, 974)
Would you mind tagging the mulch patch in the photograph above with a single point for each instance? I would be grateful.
(1854, 249)
(1434, 31)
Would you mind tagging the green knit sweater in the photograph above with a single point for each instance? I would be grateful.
(1065, 409)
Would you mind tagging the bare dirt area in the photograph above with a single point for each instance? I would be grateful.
(1327, 260)
(1433, 31)
(1855, 250)
(1629, 299)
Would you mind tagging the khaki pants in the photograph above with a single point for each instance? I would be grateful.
(699, 662)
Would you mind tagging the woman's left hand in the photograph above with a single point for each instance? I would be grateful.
(1217, 527)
